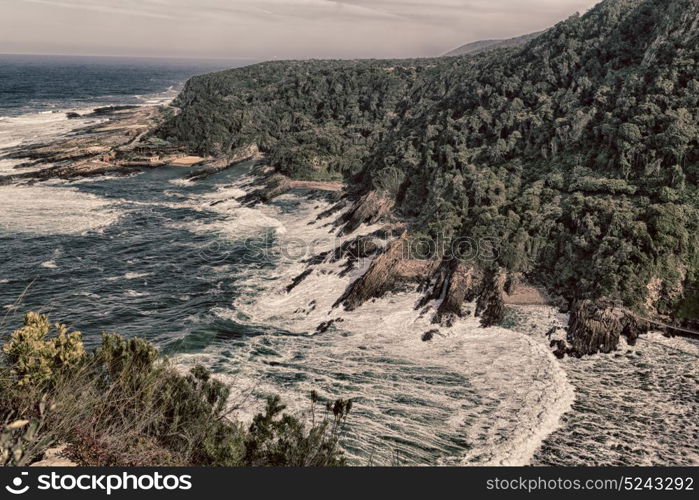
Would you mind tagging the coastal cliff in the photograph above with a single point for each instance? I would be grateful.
(574, 156)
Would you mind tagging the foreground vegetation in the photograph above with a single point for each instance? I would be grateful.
(124, 405)
(578, 153)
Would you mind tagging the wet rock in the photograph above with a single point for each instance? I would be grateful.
(594, 328)
(378, 279)
(274, 185)
(561, 348)
(245, 153)
(387, 272)
(511, 283)
(456, 284)
(457, 288)
(96, 149)
(325, 325)
(298, 279)
(317, 259)
(634, 328)
(357, 248)
(597, 327)
(110, 110)
(339, 205)
(491, 304)
(368, 209)
(429, 335)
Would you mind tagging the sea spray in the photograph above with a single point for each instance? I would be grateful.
(470, 395)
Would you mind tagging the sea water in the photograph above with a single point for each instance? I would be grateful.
(185, 266)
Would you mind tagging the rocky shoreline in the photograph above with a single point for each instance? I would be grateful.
(604, 425)
(449, 289)
(121, 143)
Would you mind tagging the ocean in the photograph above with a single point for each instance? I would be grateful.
(33, 84)
(186, 266)
(36, 92)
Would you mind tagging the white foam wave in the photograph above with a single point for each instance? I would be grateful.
(240, 221)
(181, 182)
(469, 396)
(129, 276)
(35, 127)
(53, 210)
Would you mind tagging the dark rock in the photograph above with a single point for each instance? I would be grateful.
(275, 185)
(317, 259)
(71, 115)
(594, 328)
(634, 328)
(561, 348)
(491, 305)
(429, 335)
(298, 279)
(108, 110)
(357, 248)
(333, 209)
(368, 209)
(511, 283)
(325, 325)
(388, 272)
(597, 327)
(457, 287)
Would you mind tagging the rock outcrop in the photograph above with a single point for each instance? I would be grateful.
(108, 147)
(455, 283)
(386, 273)
(429, 335)
(490, 306)
(250, 152)
(368, 209)
(272, 186)
(597, 327)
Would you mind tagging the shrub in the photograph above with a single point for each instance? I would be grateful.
(124, 405)
(279, 439)
(37, 359)
(22, 440)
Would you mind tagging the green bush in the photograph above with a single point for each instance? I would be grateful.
(279, 439)
(124, 405)
(35, 358)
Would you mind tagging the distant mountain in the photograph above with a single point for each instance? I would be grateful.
(481, 46)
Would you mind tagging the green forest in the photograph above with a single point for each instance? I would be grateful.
(577, 152)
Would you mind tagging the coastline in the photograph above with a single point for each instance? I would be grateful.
(527, 408)
(547, 438)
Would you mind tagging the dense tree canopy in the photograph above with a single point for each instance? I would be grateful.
(577, 152)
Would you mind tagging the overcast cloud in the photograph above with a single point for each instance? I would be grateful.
(267, 29)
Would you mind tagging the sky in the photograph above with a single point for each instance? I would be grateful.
(268, 29)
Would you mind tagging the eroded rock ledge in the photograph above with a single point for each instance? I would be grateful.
(249, 152)
(597, 327)
(452, 289)
(271, 184)
(387, 272)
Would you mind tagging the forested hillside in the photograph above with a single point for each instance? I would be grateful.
(577, 152)
(314, 119)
